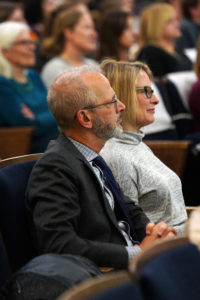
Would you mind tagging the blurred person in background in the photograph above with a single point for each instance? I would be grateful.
(139, 173)
(11, 11)
(22, 92)
(116, 35)
(190, 26)
(159, 29)
(36, 11)
(73, 36)
(106, 6)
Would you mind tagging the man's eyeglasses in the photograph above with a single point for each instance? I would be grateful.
(147, 90)
(105, 103)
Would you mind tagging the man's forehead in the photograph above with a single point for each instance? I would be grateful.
(92, 77)
(97, 81)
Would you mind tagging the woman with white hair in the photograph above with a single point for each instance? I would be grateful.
(22, 92)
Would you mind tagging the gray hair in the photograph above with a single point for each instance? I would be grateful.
(9, 32)
(70, 93)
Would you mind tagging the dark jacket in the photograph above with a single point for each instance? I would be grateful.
(69, 212)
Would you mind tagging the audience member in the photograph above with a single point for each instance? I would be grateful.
(36, 11)
(106, 6)
(176, 4)
(159, 28)
(73, 36)
(22, 93)
(71, 207)
(116, 35)
(195, 94)
(190, 25)
(11, 11)
(140, 174)
(47, 27)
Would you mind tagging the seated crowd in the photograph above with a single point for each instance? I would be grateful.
(94, 86)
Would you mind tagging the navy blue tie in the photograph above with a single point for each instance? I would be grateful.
(100, 162)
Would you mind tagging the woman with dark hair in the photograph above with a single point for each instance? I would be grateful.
(190, 25)
(11, 11)
(73, 36)
(116, 35)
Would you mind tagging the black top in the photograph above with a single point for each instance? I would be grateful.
(161, 62)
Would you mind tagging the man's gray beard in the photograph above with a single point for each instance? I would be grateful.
(105, 130)
(117, 132)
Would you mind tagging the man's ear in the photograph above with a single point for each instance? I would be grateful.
(84, 118)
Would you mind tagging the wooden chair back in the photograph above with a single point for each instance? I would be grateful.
(171, 153)
(15, 141)
(18, 159)
(96, 285)
(154, 250)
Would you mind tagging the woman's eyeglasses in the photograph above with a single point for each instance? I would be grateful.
(147, 90)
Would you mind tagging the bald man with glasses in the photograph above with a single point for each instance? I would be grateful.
(73, 202)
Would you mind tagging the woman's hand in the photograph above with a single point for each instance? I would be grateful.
(26, 112)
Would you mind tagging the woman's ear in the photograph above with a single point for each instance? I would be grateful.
(84, 118)
(68, 34)
(4, 52)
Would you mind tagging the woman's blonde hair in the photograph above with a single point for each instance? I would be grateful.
(9, 32)
(123, 77)
(152, 21)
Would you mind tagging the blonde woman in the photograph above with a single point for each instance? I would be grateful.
(140, 174)
(159, 29)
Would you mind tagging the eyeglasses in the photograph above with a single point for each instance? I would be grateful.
(24, 42)
(105, 103)
(147, 90)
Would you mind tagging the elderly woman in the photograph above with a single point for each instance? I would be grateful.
(22, 93)
(140, 174)
(159, 29)
(73, 36)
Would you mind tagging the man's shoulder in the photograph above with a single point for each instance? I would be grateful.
(61, 151)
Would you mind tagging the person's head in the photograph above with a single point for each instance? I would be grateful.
(158, 21)
(11, 11)
(110, 5)
(73, 26)
(132, 84)
(83, 101)
(197, 62)
(115, 32)
(68, 4)
(16, 47)
(191, 10)
(37, 10)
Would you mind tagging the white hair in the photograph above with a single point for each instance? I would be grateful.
(9, 32)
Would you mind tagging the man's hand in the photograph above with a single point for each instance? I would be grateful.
(155, 232)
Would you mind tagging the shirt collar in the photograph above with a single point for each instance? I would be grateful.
(87, 152)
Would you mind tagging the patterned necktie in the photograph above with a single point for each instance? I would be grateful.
(99, 161)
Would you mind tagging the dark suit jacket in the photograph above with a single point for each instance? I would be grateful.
(68, 210)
